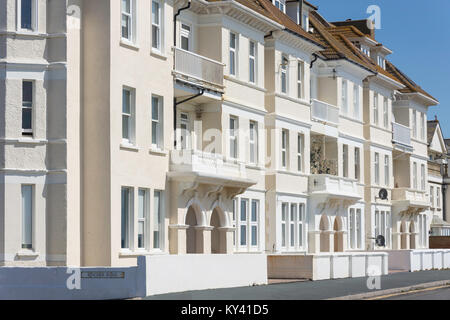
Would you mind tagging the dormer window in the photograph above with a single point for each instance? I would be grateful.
(280, 4)
(381, 62)
(305, 21)
(365, 50)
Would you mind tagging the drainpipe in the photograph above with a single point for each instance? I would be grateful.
(175, 22)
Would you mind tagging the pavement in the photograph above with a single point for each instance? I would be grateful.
(426, 294)
(354, 288)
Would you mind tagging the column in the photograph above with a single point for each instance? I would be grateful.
(177, 238)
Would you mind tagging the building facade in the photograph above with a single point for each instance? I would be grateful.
(167, 127)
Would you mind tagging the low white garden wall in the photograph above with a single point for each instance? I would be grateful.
(324, 266)
(419, 259)
(176, 273)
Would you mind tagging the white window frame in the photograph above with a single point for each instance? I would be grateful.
(157, 122)
(284, 224)
(28, 105)
(254, 223)
(300, 151)
(243, 222)
(280, 4)
(415, 181)
(127, 239)
(438, 197)
(292, 241)
(252, 58)
(284, 75)
(383, 225)
(158, 221)
(414, 124)
(345, 160)
(159, 27)
(375, 109)
(187, 34)
(34, 17)
(284, 148)
(377, 168)
(300, 79)
(432, 196)
(253, 141)
(344, 97)
(234, 52)
(27, 217)
(234, 140)
(357, 163)
(131, 16)
(386, 112)
(143, 218)
(356, 111)
(422, 126)
(184, 138)
(423, 177)
(130, 116)
(387, 171)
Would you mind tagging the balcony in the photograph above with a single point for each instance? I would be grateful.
(401, 137)
(333, 187)
(324, 112)
(208, 168)
(412, 200)
(197, 70)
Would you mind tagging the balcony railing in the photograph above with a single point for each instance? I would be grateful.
(198, 69)
(336, 187)
(187, 161)
(407, 194)
(324, 112)
(401, 134)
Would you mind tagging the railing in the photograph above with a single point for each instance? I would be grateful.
(333, 185)
(204, 162)
(399, 194)
(401, 134)
(198, 68)
(325, 112)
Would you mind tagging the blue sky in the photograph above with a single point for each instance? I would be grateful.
(418, 32)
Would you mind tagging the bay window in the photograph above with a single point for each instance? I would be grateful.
(292, 226)
(383, 225)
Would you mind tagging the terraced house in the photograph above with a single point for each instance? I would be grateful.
(227, 141)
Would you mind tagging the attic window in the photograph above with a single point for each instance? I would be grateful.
(305, 21)
(280, 4)
(365, 50)
(381, 62)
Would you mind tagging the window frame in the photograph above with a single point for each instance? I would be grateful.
(243, 223)
(375, 109)
(357, 155)
(377, 168)
(300, 152)
(233, 52)
(131, 139)
(415, 177)
(284, 75)
(28, 105)
(158, 220)
(344, 97)
(356, 104)
(158, 141)
(127, 239)
(300, 79)
(187, 34)
(158, 26)
(252, 73)
(284, 148)
(254, 223)
(387, 171)
(345, 161)
(132, 16)
(291, 222)
(34, 17)
(233, 137)
(144, 219)
(432, 196)
(423, 177)
(27, 232)
(414, 124)
(386, 112)
(253, 142)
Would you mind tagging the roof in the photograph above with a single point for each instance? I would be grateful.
(431, 129)
(360, 25)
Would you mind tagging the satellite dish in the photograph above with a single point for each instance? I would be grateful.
(383, 194)
(380, 241)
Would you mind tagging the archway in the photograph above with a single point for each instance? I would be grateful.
(324, 234)
(338, 235)
(191, 235)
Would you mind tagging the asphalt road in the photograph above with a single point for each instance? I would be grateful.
(309, 290)
(438, 294)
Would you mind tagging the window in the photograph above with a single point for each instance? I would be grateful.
(254, 218)
(27, 216)
(357, 164)
(300, 77)
(127, 115)
(386, 171)
(127, 218)
(352, 228)
(284, 213)
(383, 225)
(356, 101)
(252, 62)
(422, 182)
(305, 22)
(375, 109)
(158, 220)
(415, 176)
(27, 15)
(300, 139)
(185, 36)
(284, 74)
(243, 222)
(156, 25)
(233, 53)
(142, 218)
(128, 20)
(386, 113)
(438, 197)
(358, 229)
(432, 196)
(235, 211)
(157, 119)
(345, 160)
(422, 126)
(284, 148)
(27, 108)
(377, 168)
(423, 230)
(414, 124)
(253, 142)
(382, 62)
(184, 131)
(344, 97)
(233, 138)
(280, 4)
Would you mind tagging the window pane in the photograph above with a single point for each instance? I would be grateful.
(157, 220)
(155, 37)
(27, 91)
(26, 118)
(125, 127)
(283, 235)
(141, 243)
(292, 235)
(232, 63)
(125, 27)
(255, 208)
(125, 217)
(27, 216)
(254, 235)
(26, 14)
(244, 204)
(252, 70)
(243, 235)
(185, 43)
(155, 13)
(126, 6)
(126, 105)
